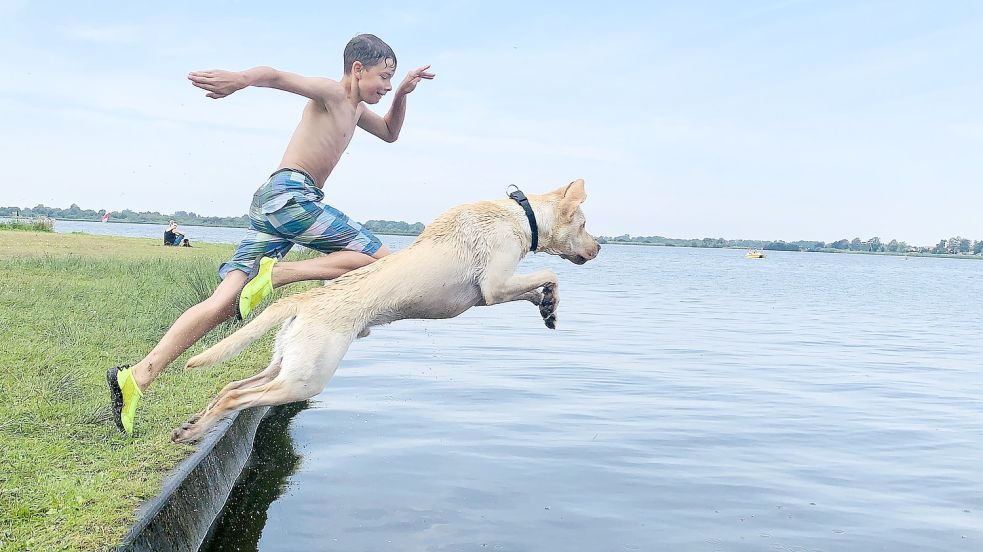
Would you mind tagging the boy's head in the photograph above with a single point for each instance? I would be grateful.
(369, 50)
(372, 63)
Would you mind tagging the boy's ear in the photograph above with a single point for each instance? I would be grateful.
(357, 68)
(571, 196)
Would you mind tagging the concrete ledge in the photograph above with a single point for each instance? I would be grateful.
(194, 494)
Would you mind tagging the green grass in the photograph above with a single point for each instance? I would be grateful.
(34, 225)
(71, 306)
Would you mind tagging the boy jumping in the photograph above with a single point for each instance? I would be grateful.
(287, 209)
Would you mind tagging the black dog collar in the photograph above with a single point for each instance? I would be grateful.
(520, 198)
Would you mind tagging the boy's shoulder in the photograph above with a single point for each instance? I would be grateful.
(333, 90)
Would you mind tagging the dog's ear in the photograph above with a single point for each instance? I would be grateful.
(571, 197)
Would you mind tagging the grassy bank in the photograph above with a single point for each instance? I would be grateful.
(72, 305)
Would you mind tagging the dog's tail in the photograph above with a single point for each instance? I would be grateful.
(235, 343)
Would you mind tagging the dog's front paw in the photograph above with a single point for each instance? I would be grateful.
(535, 297)
(187, 433)
(550, 321)
(549, 304)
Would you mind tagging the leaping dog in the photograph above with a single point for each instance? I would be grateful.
(465, 258)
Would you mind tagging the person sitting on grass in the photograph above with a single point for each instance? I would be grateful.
(171, 235)
(288, 208)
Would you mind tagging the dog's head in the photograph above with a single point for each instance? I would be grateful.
(568, 237)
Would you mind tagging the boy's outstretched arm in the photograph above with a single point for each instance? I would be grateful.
(220, 84)
(388, 127)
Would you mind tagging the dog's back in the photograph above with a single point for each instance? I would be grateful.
(452, 250)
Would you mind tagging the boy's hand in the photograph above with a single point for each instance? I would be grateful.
(413, 78)
(219, 83)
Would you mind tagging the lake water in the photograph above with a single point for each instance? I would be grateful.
(690, 399)
(210, 234)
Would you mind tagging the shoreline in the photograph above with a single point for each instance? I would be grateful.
(604, 240)
(826, 250)
(969, 256)
(185, 224)
(195, 492)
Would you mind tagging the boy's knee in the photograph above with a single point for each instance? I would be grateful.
(220, 304)
(223, 299)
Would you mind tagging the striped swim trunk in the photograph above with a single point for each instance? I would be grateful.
(287, 210)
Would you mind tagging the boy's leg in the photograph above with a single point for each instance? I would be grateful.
(268, 274)
(203, 317)
(189, 328)
(126, 384)
(326, 267)
(304, 220)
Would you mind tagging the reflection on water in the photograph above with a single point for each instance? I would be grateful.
(262, 481)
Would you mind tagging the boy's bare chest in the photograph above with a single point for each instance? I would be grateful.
(337, 124)
(320, 139)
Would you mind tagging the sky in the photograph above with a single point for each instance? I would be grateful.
(743, 120)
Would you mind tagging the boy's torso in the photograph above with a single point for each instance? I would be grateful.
(321, 137)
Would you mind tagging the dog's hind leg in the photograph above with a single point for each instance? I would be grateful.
(273, 392)
(304, 371)
(267, 374)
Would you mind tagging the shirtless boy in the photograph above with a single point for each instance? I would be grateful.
(287, 209)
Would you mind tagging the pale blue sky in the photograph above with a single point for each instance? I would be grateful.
(767, 120)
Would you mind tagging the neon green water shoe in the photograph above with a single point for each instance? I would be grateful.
(257, 287)
(125, 396)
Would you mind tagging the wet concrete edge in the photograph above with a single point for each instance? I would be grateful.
(194, 494)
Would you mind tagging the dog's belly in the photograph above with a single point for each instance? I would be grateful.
(446, 304)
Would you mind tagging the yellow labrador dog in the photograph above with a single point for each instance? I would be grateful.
(464, 258)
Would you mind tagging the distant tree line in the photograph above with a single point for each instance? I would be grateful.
(956, 245)
(150, 217)
(182, 217)
(396, 227)
(715, 242)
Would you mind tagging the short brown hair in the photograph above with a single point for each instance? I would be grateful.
(368, 49)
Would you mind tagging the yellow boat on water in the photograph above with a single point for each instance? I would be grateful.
(754, 254)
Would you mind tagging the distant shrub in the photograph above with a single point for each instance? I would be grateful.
(33, 225)
(781, 246)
